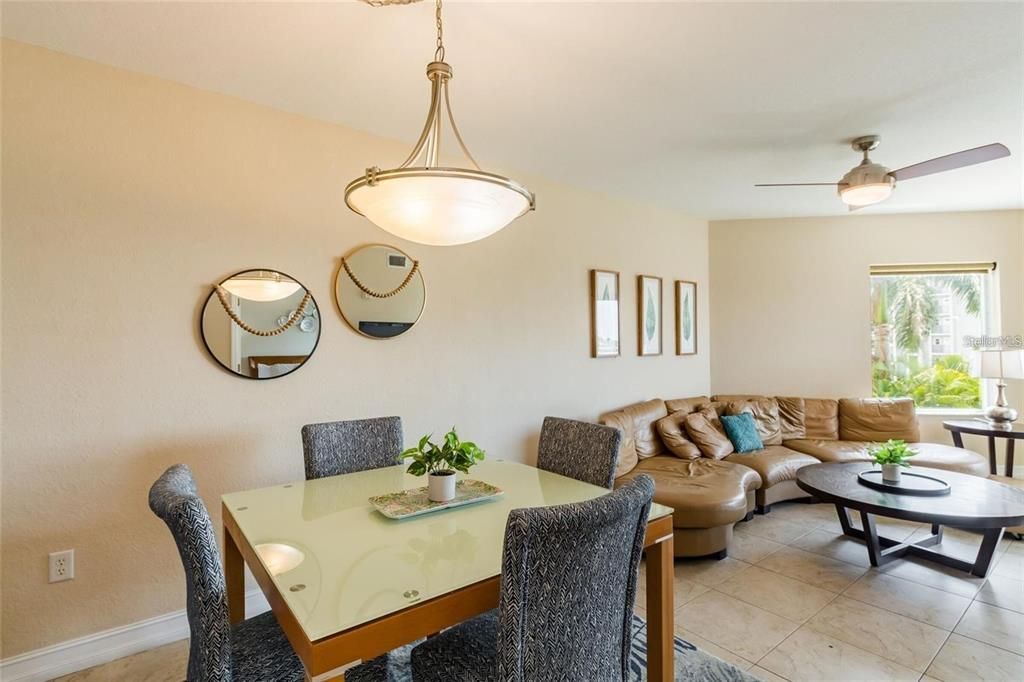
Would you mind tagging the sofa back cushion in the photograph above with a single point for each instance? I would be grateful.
(673, 434)
(878, 419)
(733, 397)
(792, 412)
(639, 439)
(687, 405)
(705, 430)
(765, 412)
(821, 418)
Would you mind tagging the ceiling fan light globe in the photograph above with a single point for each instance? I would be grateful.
(865, 195)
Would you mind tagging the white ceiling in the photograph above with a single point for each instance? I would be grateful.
(683, 104)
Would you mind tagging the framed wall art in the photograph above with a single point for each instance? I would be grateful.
(648, 315)
(604, 314)
(686, 317)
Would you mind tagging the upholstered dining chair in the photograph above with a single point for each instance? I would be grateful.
(253, 650)
(581, 450)
(568, 580)
(334, 448)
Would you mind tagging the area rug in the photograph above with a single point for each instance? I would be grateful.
(692, 664)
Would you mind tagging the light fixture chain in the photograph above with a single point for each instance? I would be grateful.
(439, 52)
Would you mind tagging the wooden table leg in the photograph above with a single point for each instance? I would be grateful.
(660, 616)
(234, 578)
(987, 551)
(992, 455)
(958, 439)
(1009, 457)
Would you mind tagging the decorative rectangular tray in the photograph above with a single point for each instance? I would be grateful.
(413, 502)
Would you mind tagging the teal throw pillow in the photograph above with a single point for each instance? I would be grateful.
(742, 431)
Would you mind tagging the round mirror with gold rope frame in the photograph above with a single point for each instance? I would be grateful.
(260, 324)
(380, 291)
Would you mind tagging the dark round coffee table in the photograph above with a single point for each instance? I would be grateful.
(973, 502)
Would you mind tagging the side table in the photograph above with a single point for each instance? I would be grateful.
(981, 427)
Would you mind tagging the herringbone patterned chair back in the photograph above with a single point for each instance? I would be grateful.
(568, 581)
(175, 500)
(581, 450)
(335, 448)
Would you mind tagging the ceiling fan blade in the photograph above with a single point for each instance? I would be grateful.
(799, 184)
(949, 162)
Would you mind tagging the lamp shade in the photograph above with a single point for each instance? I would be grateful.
(1002, 364)
(438, 206)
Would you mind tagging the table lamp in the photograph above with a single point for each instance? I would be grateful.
(1002, 365)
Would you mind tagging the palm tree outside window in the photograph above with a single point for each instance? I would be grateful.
(920, 316)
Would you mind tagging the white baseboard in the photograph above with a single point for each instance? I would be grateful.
(102, 647)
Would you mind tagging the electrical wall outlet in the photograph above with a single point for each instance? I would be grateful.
(62, 565)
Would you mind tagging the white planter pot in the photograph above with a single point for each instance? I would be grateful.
(441, 487)
(891, 473)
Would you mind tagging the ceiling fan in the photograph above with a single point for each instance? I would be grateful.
(870, 183)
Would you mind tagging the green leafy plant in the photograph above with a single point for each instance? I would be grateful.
(892, 452)
(450, 456)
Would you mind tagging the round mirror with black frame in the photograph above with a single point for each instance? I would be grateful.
(380, 291)
(260, 324)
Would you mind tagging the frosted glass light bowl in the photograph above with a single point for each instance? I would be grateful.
(438, 206)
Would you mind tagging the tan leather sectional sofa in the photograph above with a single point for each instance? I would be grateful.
(711, 487)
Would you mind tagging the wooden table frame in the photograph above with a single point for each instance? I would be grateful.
(324, 658)
(882, 550)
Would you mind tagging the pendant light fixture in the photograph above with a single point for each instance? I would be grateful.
(429, 203)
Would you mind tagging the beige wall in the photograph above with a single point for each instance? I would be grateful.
(789, 298)
(125, 197)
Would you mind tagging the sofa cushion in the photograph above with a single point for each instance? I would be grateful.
(932, 455)
(949, 458)
(791, 417)
(828, 450)
(639, 439)
(878, 419)
(776, 463)
(821, 418)
(687, 405)
(705, 430)
(742, 431)
(673, 435)
(704, 493)
(766, 416)
(733, 397)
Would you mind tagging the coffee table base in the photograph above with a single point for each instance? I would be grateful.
(882, 550)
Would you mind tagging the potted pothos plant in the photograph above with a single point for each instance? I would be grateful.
(440, 462)
(892, 455)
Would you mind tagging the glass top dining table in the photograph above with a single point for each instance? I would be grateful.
(333, 562)
(347, 584)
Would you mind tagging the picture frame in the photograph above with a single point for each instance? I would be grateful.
(605, 314)
(686, 317)
(648, 319)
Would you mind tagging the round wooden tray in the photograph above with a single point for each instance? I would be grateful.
(910, 484)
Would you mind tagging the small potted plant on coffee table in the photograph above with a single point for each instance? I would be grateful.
(892, 455)
(440, 462)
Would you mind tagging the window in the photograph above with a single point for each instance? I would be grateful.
(920, 316)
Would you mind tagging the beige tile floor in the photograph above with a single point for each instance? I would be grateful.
(797, 601)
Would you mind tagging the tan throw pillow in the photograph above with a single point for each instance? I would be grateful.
(673, 434)
(705, 430)
(766, 417)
